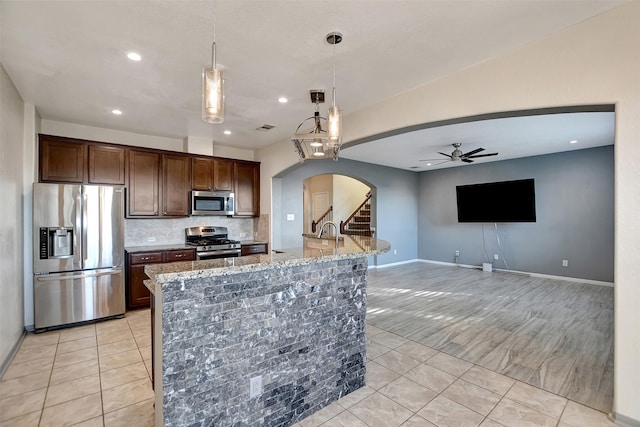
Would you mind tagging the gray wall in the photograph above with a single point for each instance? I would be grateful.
(574, 206)
(395, 204)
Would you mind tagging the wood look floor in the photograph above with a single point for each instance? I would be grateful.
(553, 334)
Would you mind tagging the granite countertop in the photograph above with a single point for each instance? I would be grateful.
(154, 248)
(364, 246)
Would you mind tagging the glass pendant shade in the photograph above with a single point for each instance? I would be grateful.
(334, 126)
(317, 151)
(212, 95)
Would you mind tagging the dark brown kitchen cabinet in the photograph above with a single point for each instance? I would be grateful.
(176, 183)
(222, 175)
(253, 249)
(212, 174)
(61, 160)
(106, 165)
(247, 188)
(144, 184)
(138, 296)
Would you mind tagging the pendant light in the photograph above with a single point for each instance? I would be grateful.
(334, 117)
(212, 86)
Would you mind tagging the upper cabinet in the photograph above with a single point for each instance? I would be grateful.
(212, 174)
(144, 184)
(247, 188)
(176, 183)
(106, 165)
(61, 160)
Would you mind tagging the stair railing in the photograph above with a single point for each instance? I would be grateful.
(344, 224)
(323, 218)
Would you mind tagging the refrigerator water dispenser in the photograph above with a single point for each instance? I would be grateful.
(56, 242)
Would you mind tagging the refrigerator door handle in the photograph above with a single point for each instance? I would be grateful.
(56, 278)
(84, 223)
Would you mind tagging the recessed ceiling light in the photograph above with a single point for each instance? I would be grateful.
(573, 141)
(134, 56)
(283, 100)
(117, 112)
(227, 132)
(428, 164)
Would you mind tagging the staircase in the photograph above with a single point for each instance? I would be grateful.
(359, 222)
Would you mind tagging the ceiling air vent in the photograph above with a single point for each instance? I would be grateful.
(265, 128)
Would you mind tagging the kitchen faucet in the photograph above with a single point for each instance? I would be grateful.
(335, 227)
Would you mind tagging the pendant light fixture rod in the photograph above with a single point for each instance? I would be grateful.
(213, 45)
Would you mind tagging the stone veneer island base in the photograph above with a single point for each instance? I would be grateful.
(294, 321)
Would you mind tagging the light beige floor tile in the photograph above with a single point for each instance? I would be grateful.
(126, 394)
(472, 396)
(322, 416)
(115, 336)
(72, 412)
(33, 340)
(355, 396)
(417, 421)
(444, 412)
(116, 347)
(490, 423)
(145, 352)
(112, 326)
(31, 419)
(372, 330)
(388, 339)
(449, 364)
(540, 400)
(119, 359)
(24, 384)
(71, 390)
(490, 380)
(123, 375)
(147, 364)
(22, 404)
(74, 371)
(75, 345)
(431, 377)
(140, 414)
(417, 351)
(67, 359)
(378, 376)
(375, 349)
(77, 332)
(93, 422)
(398, 362)
(17, 370)
(512, 413)
(378, 410)
(577, 415)
(411, 395)
(143, 340)
(344, 419)
(42, 352)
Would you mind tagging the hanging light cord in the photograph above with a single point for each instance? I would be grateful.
(334, 70)
(213, 45)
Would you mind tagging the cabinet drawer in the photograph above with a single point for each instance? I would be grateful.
(259, 248)
(181, 255)
(146, 258)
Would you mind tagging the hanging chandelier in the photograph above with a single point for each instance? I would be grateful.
(212, 86)
(310, 140)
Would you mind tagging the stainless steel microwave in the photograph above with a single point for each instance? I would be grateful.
(212, 203)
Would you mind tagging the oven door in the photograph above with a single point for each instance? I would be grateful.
(226, 253)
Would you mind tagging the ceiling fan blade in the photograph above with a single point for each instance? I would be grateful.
(467, 160)
(471, 153)
(448, 155)
(482, 155)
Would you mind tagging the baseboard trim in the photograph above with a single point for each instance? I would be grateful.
(5, 364)
(621, 420)
(393, 264)
(526, 273)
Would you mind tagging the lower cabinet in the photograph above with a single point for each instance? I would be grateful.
(253, 249)
(138, 295)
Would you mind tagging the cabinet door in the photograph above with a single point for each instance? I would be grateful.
(179, 255)
(144, 183)
(106, 165)
(254, 249)
(202, 174)
(61, 161)
(176, 183)
(222, 175)
(247, 188)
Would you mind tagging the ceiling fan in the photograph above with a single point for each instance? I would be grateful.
(457, 154)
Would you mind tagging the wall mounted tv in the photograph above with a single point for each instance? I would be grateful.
(506, 201)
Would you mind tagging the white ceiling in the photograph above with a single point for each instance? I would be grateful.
(68, 58)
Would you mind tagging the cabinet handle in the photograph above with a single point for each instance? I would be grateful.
(179, 255)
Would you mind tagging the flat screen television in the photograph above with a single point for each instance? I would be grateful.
(506, 201)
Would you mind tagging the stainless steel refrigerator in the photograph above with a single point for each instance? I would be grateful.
(78, 253)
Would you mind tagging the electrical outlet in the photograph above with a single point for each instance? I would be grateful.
(495, 256)
(243, 235)
(151, 239)
(395, 252)
(291, 217)
(255, 386)
(565, 263)
(457, 253)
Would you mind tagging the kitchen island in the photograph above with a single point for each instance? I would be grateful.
(260, 340)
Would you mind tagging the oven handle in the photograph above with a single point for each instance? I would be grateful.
(222, 252)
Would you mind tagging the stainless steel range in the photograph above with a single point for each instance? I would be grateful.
(212, 242)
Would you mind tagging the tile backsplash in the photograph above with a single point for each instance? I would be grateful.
(148, 232)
